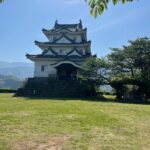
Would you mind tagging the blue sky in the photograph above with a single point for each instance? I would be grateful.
(21, 22)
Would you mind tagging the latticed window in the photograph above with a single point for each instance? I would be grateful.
(42, 68)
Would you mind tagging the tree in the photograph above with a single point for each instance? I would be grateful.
(94, 72)
(98, 6)
(126, 69)
(132, 60)
(95, 69)
(1, 1)
(130, 65)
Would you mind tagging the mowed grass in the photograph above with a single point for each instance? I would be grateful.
(45, 124)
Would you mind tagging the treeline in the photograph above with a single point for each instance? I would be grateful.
(10, 82)
(126, 69)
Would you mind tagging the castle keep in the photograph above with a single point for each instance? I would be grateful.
(56, 68)
(64, 53)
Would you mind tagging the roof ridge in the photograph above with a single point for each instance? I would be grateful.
(75, 25)
(49, 30)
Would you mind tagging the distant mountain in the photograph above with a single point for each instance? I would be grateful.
(18, 69)
(10, 82)
(14, 64)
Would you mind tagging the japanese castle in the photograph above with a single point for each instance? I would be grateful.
(64, 53)
(57, 67)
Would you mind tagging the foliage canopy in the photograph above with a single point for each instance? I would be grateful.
(129, 65)
(98, 6)
(1, 1)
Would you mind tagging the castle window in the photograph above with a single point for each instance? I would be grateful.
(54, 38)
(61, 51)
(81, 51)
(74, 38)
(42, 68)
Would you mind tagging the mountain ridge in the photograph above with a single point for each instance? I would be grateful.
(20, 70)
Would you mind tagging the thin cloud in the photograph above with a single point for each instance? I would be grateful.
(127, 17)
(102, 27)
(73, 2)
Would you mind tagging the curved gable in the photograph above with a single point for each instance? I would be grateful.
(66, 62)
(63, 40)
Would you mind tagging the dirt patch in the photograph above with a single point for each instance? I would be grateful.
(53, 143)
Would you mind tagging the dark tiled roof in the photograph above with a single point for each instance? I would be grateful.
(55, 31)
(75, 26)
(53, 43)
(58, 56)
(66, 25)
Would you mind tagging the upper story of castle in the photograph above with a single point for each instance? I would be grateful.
(65, 40)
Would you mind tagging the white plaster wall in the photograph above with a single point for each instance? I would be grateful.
(74, 53)
(63, 40)
(82, 49)
(65, 50)
(49, 53)
(51, 37)
(78, 37)
(48, 70)
(72, 29)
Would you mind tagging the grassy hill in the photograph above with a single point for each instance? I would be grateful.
(38, 124)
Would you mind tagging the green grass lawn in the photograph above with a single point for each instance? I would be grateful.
(36, 124)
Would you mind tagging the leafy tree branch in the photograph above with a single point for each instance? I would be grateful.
(98, 6)
(1, 1)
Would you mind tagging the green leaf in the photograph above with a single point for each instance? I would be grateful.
(98, 6)
(100, 9)
(115, 2)
(1, 1)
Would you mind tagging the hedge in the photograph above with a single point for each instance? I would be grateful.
(7, 91)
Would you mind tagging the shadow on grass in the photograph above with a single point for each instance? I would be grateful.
(99, 98)
(95, 98)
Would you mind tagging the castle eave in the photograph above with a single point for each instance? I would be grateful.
(48, 44)
(66, 62)
(31, 57)
(51, 32)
